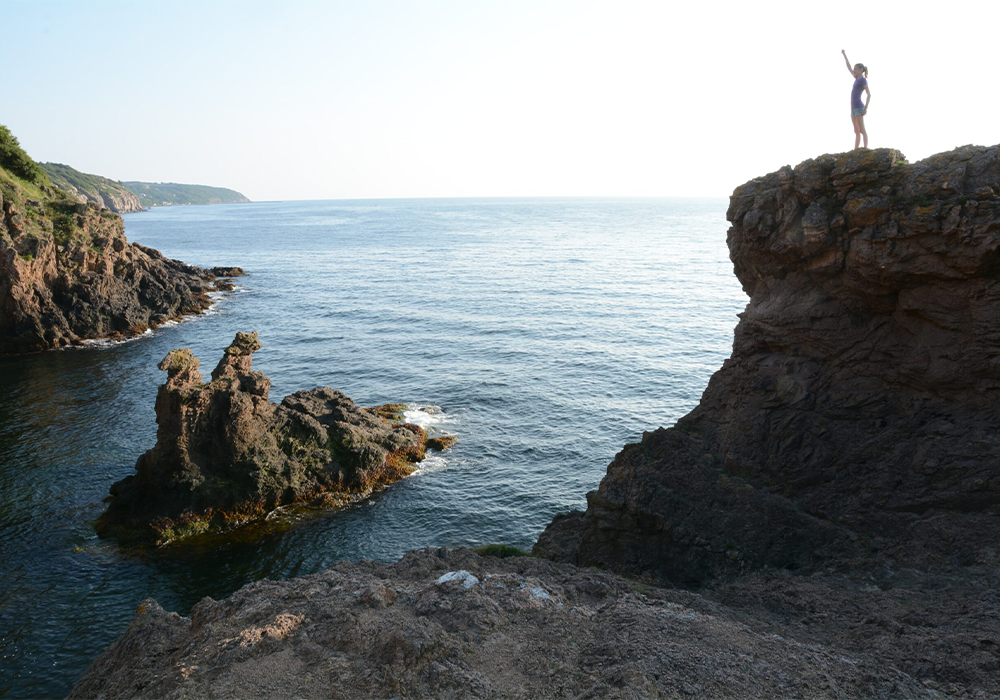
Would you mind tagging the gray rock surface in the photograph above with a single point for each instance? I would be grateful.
(451, 624)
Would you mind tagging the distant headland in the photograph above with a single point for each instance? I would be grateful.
(126, 197)
(169, 194)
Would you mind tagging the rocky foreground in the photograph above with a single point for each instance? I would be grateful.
(834, 500)
(68, 274)
(451, 624)
(226, 456)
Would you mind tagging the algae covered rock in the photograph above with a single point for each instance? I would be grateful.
(226, 455)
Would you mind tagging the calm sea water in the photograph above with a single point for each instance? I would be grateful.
(544, 333)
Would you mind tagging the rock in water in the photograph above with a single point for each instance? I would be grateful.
(226, 455)
(858, 415)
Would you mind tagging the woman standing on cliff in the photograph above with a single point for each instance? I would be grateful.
(858, 110)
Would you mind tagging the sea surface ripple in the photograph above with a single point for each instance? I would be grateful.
(545, 333)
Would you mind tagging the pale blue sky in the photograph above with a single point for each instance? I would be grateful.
(306, 100)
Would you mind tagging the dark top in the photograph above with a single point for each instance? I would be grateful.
(859, 86)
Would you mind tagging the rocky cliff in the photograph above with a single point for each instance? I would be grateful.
(225, 455)
(67, 272)
(857, 418)
(84, 188)
(833, 498)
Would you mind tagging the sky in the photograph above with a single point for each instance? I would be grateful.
(439, 98)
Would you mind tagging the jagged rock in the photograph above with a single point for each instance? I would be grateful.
(441, 442)
(226, 455)
(858, 418)
(450, 624)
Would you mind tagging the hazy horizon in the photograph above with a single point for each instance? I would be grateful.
(395, 100)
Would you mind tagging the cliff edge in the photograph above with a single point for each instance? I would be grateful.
(84, 187)
(833, 498)
(856, 423)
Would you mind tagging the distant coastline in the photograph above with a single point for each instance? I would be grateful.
(170, 194)
(132, 196)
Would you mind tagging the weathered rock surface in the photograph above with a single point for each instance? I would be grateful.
(67, 273)
(857, 423)
(451, 624)
(225, 455)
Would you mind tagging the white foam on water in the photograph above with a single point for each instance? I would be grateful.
(107, 343)
(433, 462)
(426, 417)
(436, 422)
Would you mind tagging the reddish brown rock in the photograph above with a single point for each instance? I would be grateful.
(67, 272)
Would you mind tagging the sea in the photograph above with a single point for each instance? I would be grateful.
(544, 333)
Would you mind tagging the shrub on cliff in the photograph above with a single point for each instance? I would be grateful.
(16, 161)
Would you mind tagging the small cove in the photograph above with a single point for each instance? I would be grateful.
(548, 333)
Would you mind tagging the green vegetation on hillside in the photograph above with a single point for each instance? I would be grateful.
(94, 187)
(158, 194)
(36, 207)
(15, 161)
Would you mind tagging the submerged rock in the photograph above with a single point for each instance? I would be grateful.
(226, 455)
(857, 422)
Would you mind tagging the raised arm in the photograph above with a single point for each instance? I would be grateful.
(849, 69)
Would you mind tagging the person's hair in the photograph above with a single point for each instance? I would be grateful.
(863, 67)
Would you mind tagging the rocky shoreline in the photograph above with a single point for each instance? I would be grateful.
(95, 285)
(68, 274)
(822, 525)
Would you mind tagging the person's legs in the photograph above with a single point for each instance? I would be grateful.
(857, 131)
(861, 125)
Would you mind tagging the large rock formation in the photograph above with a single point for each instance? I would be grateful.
(226, 455)
(67, 272)
(857, 419)
(450, 624)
